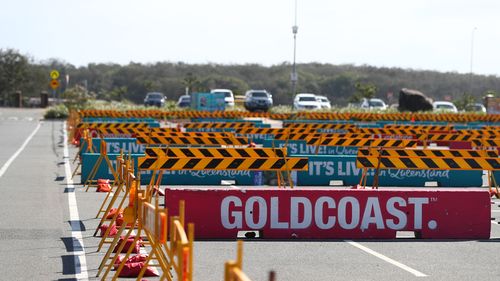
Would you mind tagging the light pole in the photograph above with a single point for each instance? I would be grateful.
(294, 77)
(471, 58)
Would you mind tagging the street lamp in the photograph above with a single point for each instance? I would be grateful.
(471, 57)
(294, 76)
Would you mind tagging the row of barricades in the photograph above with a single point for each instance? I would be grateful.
(191, 151)
(130, 217)
(218, 139)
(241, 136)
(359, 116)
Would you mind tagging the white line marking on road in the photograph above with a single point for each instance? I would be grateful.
(495, 211)
(386, 259)
(14, 156)
(80, 259)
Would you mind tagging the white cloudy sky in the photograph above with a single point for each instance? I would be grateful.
(417, 34)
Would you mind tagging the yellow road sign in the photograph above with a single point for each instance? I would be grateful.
(54, 74)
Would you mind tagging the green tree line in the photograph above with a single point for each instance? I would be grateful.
(340, 83)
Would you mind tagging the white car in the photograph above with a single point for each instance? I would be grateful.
(306, 101)
(324, 102)
(444, 106)
(228, 96)
(373, 104)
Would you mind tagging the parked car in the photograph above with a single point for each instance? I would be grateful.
(475, 107)
(373, 104)
(228, 96)
(324, 102)
(154, 99)
(256, 100)
(444, 106)
(306, 101)
(184, 101)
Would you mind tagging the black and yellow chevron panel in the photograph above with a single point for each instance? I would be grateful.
(111, 125)
(453, 137)
(272, 131)
(245, 164)
(315, 139)
(429, 160)
(194, 141)
(320, 126)
(486, 143)
(382, 131)
(221, 125)
(419, 127)
(144, 138)
(363, 142)
(212, 152)
(429, 153)
(483, 132)
(118, 131)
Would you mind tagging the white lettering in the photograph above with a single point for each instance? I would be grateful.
(372, 206)
(295, 204)
(342, 214)
(418, 202)
(318, 212)
(235, 215)
(400, 215)
(262, 212)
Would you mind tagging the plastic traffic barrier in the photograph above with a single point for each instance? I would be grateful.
(335, 214)
(325, 168)
(213, 177)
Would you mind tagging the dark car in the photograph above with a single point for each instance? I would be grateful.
(154, 99)
(258, 100)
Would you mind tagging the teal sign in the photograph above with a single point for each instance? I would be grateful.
(208, 101)
(296, 147)
(115, 145)
(323, 169)
(208, 177)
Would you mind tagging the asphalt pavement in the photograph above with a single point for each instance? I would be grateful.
(38, 243)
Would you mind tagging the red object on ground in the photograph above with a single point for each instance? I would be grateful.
(132, 259)
(112, 232)
(112, 212)
(128, 244)
(134, 268)
(103, 188)
(434, 213)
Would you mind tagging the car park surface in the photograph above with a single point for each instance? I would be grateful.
(37, 240)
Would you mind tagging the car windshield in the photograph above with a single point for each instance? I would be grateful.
(376, 103)
(307, 99)
(324, 99)
(444, 106)
(155, 96)
(259, 94)
(227, 94)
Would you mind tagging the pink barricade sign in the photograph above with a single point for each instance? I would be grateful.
(219, 213)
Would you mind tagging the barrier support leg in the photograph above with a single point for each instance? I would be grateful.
(110, 250)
